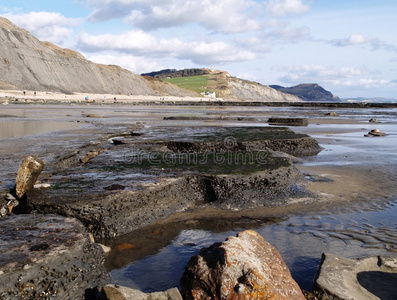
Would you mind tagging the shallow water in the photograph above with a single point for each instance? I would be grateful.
(365, 230)
(23, 128)
(153, 259)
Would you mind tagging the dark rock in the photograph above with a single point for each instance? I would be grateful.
(48, 257)
(242, 267)
(376, 132)
(115, 187)
(116, 141)
(250, 139)
(368, 278)
(373, 120)
(27, 175)
(228, 168)
(288, 121)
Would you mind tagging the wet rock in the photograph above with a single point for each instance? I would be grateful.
(242, 267)
(48, 257)
(376, 132)
(42, 186)
(250, 139)
(105, 248)
(27, 175)
(114, 292)
(93, 116)
(373, 120)
(114, 187)
(288, 121)
(3, 211)
(116, 141)
(90, 155)
(369, 278)
(332, 114)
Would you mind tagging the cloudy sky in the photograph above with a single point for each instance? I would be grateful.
(347, 46)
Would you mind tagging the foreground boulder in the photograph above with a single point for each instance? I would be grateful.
(242, 267)
(114, 292)
(27, 174)
(369, 278)
(48, 257)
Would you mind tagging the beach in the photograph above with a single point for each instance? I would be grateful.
(353, 174)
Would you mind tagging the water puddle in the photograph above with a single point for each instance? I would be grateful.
(153, 259)
(25, 128)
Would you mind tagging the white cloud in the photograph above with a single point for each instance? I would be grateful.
(280, 8)
(346, 76)
(139, 43)
(247, 76)
(285, 33)
(48, 26)
(135, 64)
(228, 16)
(358, 39)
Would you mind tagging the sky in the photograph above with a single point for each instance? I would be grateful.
(349, 47)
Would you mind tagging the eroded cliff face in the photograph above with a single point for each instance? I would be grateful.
(28, 63)
(242, 89)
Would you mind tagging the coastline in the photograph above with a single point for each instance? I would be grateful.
(15, 96)
(339, 176)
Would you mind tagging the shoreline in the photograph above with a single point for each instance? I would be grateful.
(101, 99)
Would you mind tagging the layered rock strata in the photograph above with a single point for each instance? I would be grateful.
(48, 257)
(168, 177)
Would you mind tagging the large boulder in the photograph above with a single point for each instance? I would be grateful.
(27, 175)
(48, 257)
(368, 278)
(242, 267)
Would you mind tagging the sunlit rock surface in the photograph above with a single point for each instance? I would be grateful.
(242, 267)
(368, 278)
(28, 173)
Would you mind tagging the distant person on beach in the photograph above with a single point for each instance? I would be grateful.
(24, 93)
(115, 100)
(35, 93)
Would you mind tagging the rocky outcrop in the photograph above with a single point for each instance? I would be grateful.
(288, 121)
(368, 278)
(48, 257)
(27, 63)
(242, 267)
(27, 174)
(308, 92)
(228, 168)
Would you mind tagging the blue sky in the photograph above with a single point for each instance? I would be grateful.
(348, 47)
